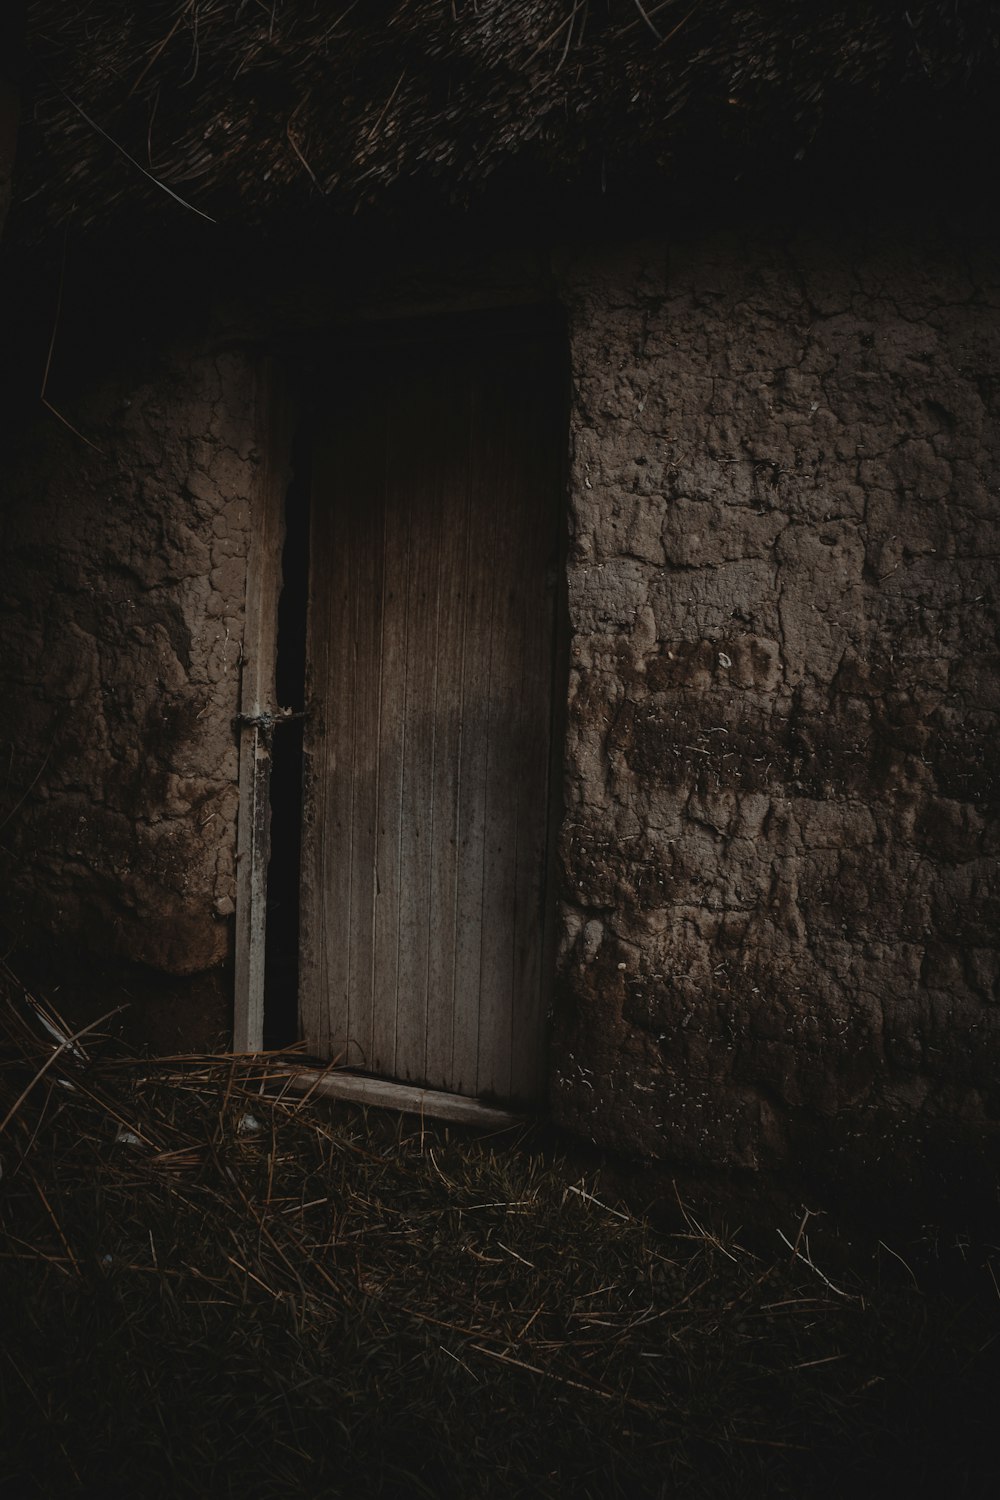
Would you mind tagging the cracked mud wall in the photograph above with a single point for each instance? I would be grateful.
(778, 852)
(124, 571)
(122, 620)
(779, 847)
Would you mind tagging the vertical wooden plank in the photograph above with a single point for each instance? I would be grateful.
(274, 420)
(343, 485)
(391, 751)
(364, 560)
(253, 849)
(420, 470)
(538, 485)
(481, 545)
(502, 788)
(450, 636)
(336, 477)
(319, 768)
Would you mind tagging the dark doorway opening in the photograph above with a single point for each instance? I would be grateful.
(281, 952)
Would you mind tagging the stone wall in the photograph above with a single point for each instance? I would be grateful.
(779, 849)
(122, 607)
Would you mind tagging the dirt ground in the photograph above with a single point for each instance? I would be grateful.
(215, 1285)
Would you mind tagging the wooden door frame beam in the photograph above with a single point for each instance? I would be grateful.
(274, 426)
(405, 1098)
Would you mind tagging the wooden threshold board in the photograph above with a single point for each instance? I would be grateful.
(357, 1089)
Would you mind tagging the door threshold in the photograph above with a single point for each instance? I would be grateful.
(357, 1088)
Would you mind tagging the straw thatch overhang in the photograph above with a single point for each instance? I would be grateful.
(248, 109)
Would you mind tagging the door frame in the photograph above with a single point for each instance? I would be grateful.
(277, 415)
(274, 422)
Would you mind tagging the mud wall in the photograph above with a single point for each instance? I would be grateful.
(777, 862)
(124, 547)
(122, 608)
(779, 849)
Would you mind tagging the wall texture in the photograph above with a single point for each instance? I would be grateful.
(122, 597)
(778, 882)
(781, 830)
(121, 615)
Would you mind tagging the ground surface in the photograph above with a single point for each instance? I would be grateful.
(211, 1286)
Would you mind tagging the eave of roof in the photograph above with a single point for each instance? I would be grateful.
(247, 110)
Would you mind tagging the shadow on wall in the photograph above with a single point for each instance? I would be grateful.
(149, 1011)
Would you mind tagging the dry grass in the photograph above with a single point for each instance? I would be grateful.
(213, 1287)
(267, 109)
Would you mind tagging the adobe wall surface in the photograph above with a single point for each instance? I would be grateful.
(124, 570)
(121, 613)
(779, 849)
(778, 882)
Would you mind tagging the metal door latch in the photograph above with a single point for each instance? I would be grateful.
(268, 721)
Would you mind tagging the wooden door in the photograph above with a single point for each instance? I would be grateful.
(436, 485)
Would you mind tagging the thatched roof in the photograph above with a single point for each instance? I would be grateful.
(243, 107)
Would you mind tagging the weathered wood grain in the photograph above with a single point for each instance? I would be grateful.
(274, 420)
(436, 492)
(381, 1093)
